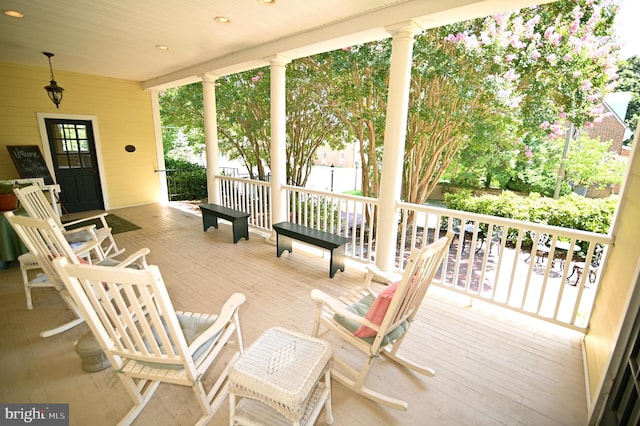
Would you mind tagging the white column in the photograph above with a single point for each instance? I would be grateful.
(278, 138)
(395, 133)
(163, 195)
(211, 135)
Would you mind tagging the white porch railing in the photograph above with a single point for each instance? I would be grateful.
(347, 215)
(535, 269)
(251, 196)
(494, 263)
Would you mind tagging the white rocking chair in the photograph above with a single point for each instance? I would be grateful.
(45, 242)
(147, 342)
(35, 203)
(359, 318)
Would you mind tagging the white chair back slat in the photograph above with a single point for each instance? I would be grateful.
(419, 272)
(129, 312)
(35, 203)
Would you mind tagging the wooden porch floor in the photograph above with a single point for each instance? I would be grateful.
(490, 369)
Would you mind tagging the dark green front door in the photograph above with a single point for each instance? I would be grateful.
(75, 164)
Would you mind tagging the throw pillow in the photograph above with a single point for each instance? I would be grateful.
(377, 311)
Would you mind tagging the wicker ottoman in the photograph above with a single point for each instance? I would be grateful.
(283, 378)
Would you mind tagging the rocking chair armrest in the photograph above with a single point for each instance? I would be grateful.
(321, 298)
(229, 309)
(135, 257)
(378, 275)
(100, 216)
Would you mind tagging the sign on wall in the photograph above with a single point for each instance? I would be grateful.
(29, 162)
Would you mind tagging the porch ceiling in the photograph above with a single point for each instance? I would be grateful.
(118, 39)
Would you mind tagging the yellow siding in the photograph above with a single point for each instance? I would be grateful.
(617, 279)
(123, 114)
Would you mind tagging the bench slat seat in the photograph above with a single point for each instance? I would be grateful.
(285, 231)
(212, 212)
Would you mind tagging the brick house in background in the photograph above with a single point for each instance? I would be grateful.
(347, 157)
(612, 128)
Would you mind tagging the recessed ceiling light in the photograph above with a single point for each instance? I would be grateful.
(13, 13)
(267, 2)
(162, 47)
(222, 20)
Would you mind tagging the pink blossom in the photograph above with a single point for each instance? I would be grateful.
(588, 125)
(484, 37)
(566, 57)
(535, 55)
(577, 13)
(562, 115)
(528, 153)
(518, 44)
(515, 102)
(548, 32)
(552, 58)
(511, 75)
(346, 49)
(544, 125)
(574, 27)
(510, 57)
(557, 129)
(255, 78)
(576, 74)
(586, 85)
(471, 42)
(555, 39)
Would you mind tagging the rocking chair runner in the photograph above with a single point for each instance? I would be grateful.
(145, 339)
(45, 242)
(35, 203)
(360, 319)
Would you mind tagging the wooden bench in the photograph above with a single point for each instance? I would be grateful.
(212, 212)
(285, 231)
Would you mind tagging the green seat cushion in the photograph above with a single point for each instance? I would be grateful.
(360, 308)
(112, 262)
(78, 237)
(192, 327)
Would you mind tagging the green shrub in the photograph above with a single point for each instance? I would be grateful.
(185, 180)
(572, 211)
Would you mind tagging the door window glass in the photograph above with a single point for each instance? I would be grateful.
(72, 146)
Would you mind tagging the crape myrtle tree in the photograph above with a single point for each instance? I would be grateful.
(355, 79)
(484, 90)
(310, 125)
(243, 114)
(242, 105)
(554, 63)
(181, 111)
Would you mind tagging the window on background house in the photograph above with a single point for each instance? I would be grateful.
(324, 158)
(341, 161)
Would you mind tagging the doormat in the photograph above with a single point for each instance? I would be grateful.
(117, 224)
